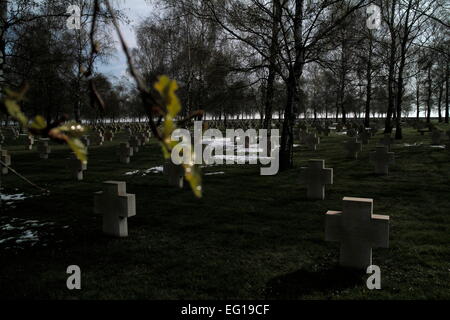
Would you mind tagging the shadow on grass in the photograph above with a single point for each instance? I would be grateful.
(302, 282)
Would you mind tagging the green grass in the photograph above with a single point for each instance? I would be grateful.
(249, 237)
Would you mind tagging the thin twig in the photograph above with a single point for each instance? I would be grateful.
(147, 98)
(22, 177)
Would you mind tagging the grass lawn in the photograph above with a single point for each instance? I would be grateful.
(249, 237)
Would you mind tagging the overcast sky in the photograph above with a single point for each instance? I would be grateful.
(135, 10)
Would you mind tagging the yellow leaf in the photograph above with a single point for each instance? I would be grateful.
(38, 123)
(78, 148)
(166, 89)
(18, 96)
(14, 111)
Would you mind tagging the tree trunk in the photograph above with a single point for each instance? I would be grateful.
(286, 144)
(342, 79)
(400, 80)
(295, 72)
(441, 91)
(417, 96)
(446, 94)
(3, 27)
(429, 94)
(393, 47)
(272, 60)
(369, 84)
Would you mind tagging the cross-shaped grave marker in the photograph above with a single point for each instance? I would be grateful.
(351, 132)
(312, 140)
(135, 143)
(97, 138)
(382, 159)
(76, 167)
(125, 152)
(364, 137)
(316, 176)
(175, 173)
(6, 160)
(353, 147)
(387, 140)
(358, 230)
(43, 148)
(30, 139)
(86, 141)
(302, 135)
(145, 136)
(116, 206)
(108, 135)
(436, 137)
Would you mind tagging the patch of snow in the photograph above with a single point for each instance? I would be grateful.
(158, 169)
(438, 147)
(7, 239)
(415, 144)
(28, 236)
(14, 197)
(131, 172)
(214, 173)
(8, 227)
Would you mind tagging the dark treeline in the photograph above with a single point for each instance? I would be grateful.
(240, 58)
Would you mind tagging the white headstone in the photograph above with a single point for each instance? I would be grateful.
(76, 167)
(30, 139)
(387, 141)
(43, 148)
(436, 137)
(312, 141)
(382, 159)
(353, 146)
(125, 152)
(135, 143)
(358, 230)
(6, 159)
(316, 176)
(97, 138)
(116, 206)
(175, 173)
(108, 135)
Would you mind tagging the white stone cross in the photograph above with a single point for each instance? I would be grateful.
(436, 137)
(382, 159)
(125, 152)
(116, 206)
(387, 140)
(6, 159)
(76, 167)
(364, 136)
(97, 138)
(316, 176)
(358, 230)
(135, 143)
(175, 173)
(144, 138)
(312, 140)
(108, 135)
(353, 147)
(30, 139)
(43, 149)
(86, 141)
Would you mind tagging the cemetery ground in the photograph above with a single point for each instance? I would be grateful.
(249, 237)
